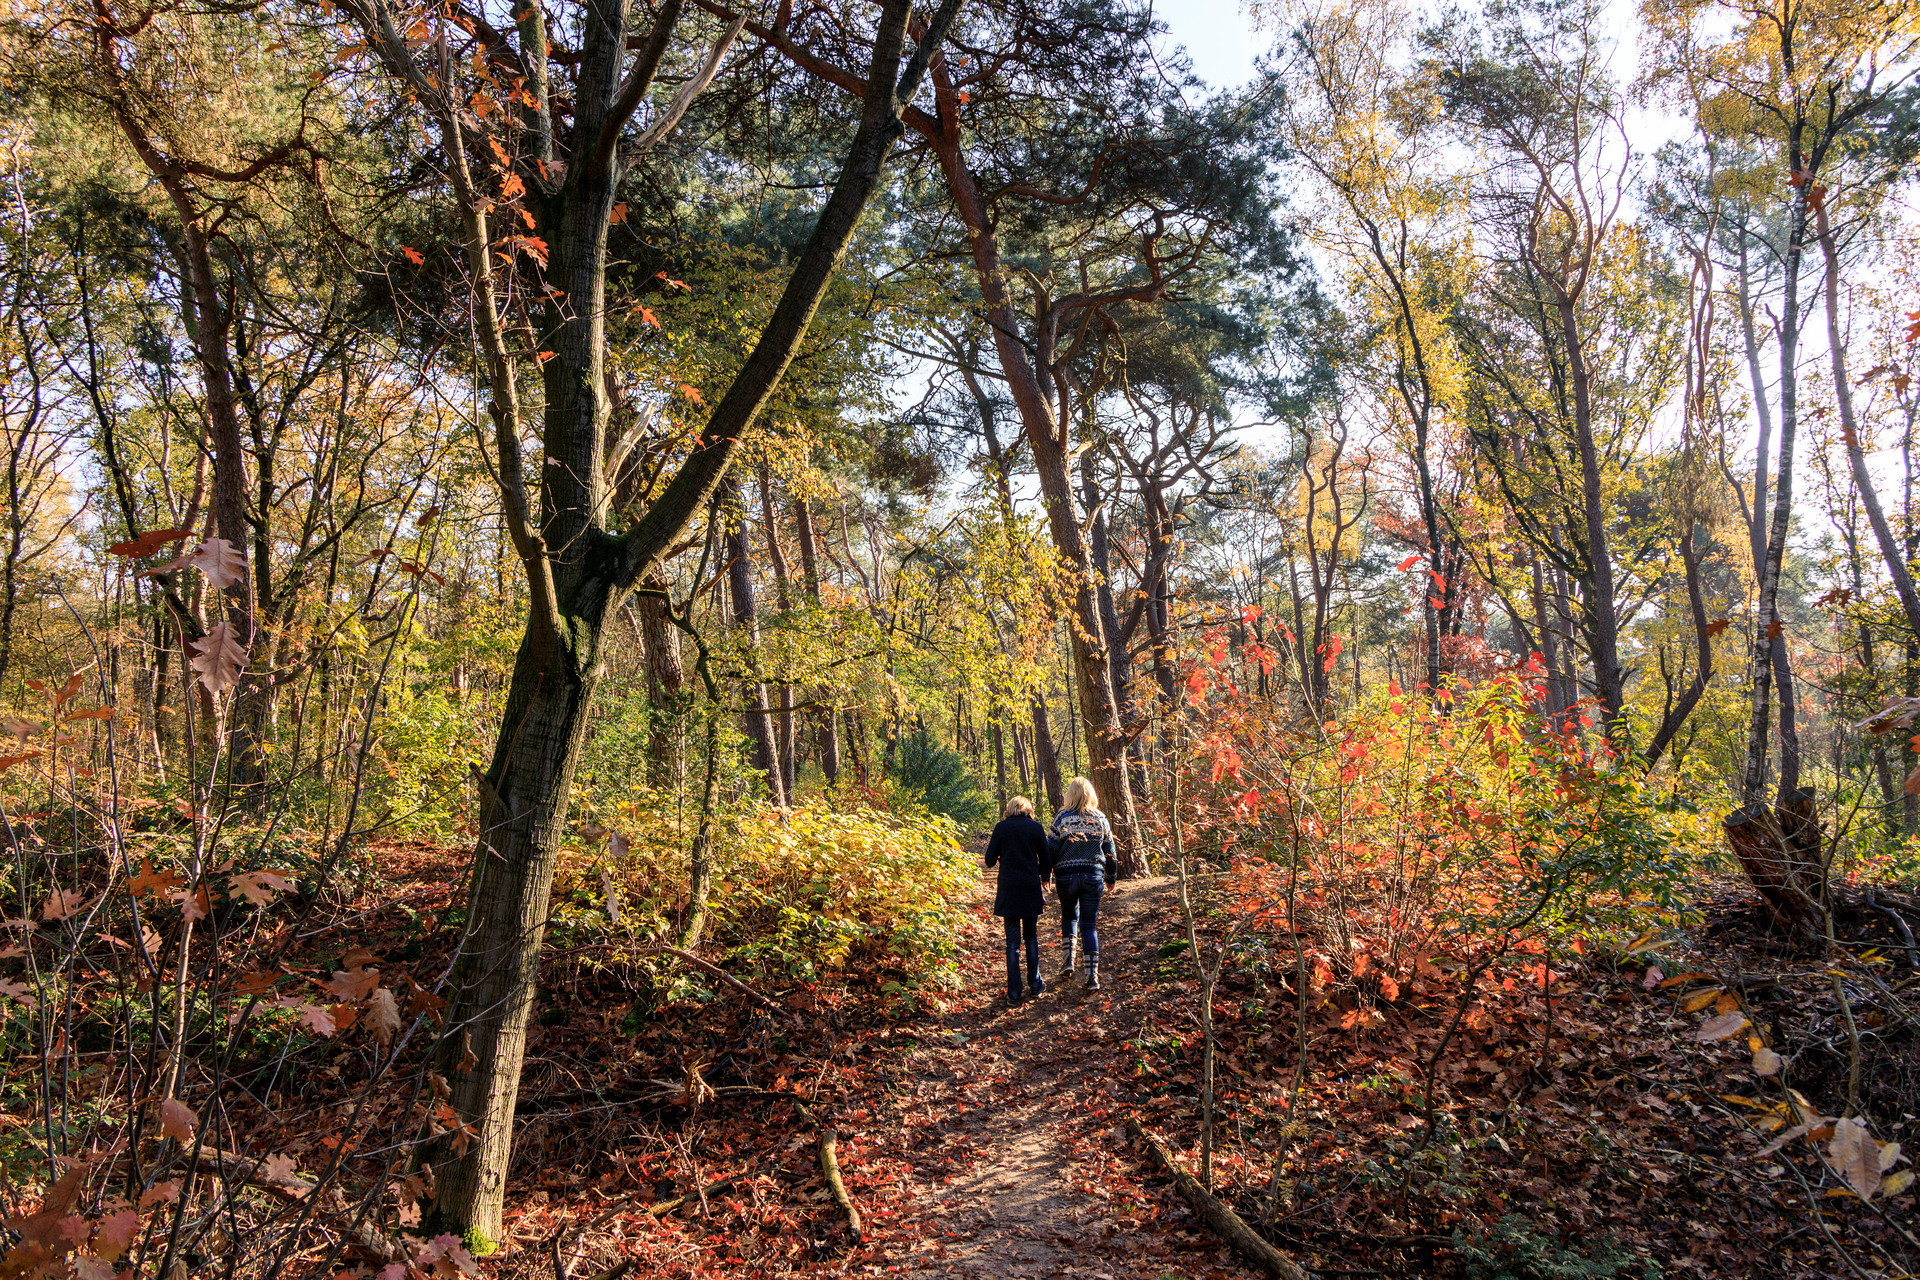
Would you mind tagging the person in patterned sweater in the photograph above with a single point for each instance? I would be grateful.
(1085, 863)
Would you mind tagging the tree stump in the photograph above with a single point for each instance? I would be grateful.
(1781, 850)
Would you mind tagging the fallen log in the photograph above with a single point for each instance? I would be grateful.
(1217, 1214)
(830, 1166)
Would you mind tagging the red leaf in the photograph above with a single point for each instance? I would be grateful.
(144, 545)
(177, 1120)
(1409, 562)
(414, 256)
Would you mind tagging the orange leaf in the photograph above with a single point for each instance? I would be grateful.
(413, 255)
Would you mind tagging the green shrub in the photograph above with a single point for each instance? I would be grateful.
(1515, 1250)
(796, 893)
(939, 780)
(422, 745)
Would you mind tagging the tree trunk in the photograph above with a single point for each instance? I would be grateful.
(1602, 622)
(1894, 554)
(1119, 669)
(584, 573)
(208, 324)
(667, 686)
(1768, 661)
(523, 814)
(756, 720)
(777, 556)
(1046, 760)
(829, 715)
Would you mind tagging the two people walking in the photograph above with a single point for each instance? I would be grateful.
(1077, 853)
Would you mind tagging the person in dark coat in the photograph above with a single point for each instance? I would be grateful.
(1019, 846)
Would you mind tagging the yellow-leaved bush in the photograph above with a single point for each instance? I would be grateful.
(796, 893)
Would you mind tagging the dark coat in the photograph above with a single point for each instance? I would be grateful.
(1019, 845)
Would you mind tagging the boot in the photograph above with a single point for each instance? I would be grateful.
(1066, 970)
(1093, 973)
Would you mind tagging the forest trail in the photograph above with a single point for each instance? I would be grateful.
(1013, 1116)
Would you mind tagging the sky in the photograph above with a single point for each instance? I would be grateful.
(1218, 37)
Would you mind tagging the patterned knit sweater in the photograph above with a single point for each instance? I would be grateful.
(1082, 844)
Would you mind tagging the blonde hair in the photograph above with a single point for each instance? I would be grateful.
(1018, 805)
(1081, 797)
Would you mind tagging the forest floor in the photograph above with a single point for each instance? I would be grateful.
(1597, 1136)
(1014, 1118)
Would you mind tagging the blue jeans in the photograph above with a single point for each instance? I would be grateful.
(1030, 927)
(1079, 896)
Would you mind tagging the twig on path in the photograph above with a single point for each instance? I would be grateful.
(664, 1207)
(830, 1166)
(617, 1270)
(1217, 1214)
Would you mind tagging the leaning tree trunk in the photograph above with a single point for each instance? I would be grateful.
(1107, 736)
(1781, 850)
(523, 813)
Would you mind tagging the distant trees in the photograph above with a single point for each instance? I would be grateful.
(1141, 193)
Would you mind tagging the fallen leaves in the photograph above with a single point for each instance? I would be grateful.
(1721, 1027)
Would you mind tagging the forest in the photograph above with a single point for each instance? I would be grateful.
(543, 537)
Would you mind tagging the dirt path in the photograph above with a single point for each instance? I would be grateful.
(1012, 1115)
